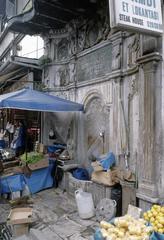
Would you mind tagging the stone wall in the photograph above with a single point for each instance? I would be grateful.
(117, 76)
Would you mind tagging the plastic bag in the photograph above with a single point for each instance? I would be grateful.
(108, 162)
(81, 174)
(98, 235)
(157, 236)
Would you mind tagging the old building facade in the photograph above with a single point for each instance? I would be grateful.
(118, 77)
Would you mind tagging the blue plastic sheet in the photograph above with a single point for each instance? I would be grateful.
(98, 235)
(81, 174)
(108, 161)
(40, 179)
(12, 184)
(55, 147)
(157, 236)
(33, 100)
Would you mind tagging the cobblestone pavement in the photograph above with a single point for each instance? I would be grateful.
(55, 217)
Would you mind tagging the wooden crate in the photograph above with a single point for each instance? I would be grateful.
(19, 219)
(41, 164)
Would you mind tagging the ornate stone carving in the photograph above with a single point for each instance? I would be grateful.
(133, 50)
(72, 72)
(72, 30)
(62, 49)
(81, 38)
(62, 76)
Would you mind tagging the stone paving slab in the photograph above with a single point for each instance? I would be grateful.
(56, 218)
(66, 228)
(42, 235)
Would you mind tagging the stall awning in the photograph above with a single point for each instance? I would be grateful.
(27, 99)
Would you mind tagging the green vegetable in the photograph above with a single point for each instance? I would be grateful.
(32, 157)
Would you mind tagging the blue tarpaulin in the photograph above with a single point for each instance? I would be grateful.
(12, 183)
(39, 180)
(28, 99)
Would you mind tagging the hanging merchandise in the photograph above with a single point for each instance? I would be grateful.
(11, 130)
(51, 134)
(10, 127)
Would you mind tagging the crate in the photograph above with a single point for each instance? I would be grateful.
(41, 164)
(19, 219)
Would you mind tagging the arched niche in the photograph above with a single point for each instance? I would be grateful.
(96, 125)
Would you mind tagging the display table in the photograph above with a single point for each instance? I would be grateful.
(40, 179)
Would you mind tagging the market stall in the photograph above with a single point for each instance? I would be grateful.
(31, 100)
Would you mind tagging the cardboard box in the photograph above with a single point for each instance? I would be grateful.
(41, 164)
(19, 219)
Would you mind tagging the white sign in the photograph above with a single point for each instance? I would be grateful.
(142, 15)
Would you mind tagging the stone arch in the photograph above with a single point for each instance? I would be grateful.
(91, 95)
(96, 124)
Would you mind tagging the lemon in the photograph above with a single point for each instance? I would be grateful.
(152, 219)
(161, 220)
(160, 230)
(156, 222)
(159, 225)
(160, 214)
(150, 215)
(155, 229)
(155, 213)
(155, 206)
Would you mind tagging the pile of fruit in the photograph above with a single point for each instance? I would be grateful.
(156, 218)
(126, 228)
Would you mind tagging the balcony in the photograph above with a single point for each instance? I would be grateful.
(40, 16)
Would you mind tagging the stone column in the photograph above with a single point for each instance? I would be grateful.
(149, 129)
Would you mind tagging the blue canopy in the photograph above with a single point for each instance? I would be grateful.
(27, 99)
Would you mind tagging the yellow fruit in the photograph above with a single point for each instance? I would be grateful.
(160, 230)
(156, 222)
(162, 209)
(150, 215)
(160, 214)
(161, 220)
(158, 208)
(155, 213)
(155, 229)
(155, 206)
(160, 225)
(152, 219)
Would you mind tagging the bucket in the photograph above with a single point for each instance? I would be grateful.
(85, 204)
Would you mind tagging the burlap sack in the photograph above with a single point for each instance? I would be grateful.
(96, 166)
(103, 177)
